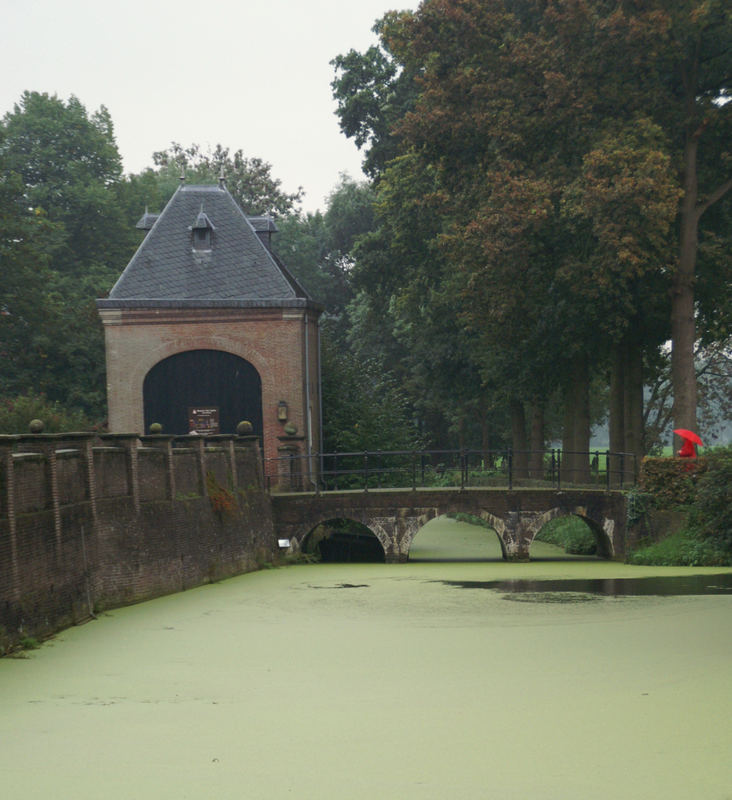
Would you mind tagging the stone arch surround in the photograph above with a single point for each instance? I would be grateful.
(202, 377)
(181, 344)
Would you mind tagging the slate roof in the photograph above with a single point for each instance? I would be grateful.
(238, 270)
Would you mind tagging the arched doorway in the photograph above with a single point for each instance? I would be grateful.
(197, 388)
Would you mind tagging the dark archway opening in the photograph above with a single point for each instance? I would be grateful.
(207, 381)
(343, 541)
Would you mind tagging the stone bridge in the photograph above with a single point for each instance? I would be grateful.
(395, 516)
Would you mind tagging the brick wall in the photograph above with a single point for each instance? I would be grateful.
(92, 524)
(280, 343)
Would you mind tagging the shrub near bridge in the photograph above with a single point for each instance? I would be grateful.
(671, 482)
(711, 515)
(705, 491)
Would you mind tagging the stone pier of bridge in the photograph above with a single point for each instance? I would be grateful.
(396, 516)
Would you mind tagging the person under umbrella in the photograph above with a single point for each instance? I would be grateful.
(689, 440)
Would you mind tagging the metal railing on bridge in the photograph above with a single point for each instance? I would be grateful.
(457, 469)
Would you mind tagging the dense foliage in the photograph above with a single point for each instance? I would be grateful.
(711, 515)
(548, 175)
(705, 494)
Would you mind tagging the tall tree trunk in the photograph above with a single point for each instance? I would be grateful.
(485, 437)
(536, 440)
(576, 434)
(617, 411)
(683, 330)
(568, 448)
(582, 417)
(518, 437)
(617, 398)
(633, 409)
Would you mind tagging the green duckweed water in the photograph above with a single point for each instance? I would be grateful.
(382, 681)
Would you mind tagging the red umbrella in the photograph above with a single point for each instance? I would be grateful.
(689, 435)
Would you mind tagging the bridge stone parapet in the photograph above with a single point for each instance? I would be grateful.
(396, 516)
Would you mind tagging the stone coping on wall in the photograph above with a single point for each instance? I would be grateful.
(16, 441)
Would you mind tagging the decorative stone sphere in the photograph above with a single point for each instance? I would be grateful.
(290, 429)
(36, 426)
(155, 428)
(245, 428)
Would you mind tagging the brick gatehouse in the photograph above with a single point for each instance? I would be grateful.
(206, 327)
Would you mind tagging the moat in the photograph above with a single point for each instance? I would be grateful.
(431, 679)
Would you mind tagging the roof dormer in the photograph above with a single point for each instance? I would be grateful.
(147, 220)
(202, 232)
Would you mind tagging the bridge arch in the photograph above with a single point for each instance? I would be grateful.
(342, 540)
(603, 537)
(493, 522)
(300, 534)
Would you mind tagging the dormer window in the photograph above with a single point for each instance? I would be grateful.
(202, 232)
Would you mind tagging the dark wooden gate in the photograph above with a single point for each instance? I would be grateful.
(204, 379)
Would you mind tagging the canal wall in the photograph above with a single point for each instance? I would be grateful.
(91, 522)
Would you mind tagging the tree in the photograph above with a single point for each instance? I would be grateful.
(68, 162)
(549, 135)
(65, 172)
(249, 180)
(373, 92)
(354, 419)
(27, 240)
(317, 248)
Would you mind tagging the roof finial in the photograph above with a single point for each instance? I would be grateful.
(222, 178)
(183, 173)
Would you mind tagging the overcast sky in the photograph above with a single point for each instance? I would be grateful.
(250, 75)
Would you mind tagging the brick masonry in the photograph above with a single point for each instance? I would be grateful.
(87, 523)
(281, 343)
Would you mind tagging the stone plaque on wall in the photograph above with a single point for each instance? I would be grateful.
(203, 420)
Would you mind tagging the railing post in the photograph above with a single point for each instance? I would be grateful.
(45, 444)
(622, 469)
(365, 471)
(509, 457)
(7, 445)
(129, 443)
(559, 469)
(553, 467)
(414, 471)
(607, 470)
(164, 443)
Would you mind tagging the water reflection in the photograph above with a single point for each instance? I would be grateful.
(546, 590)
